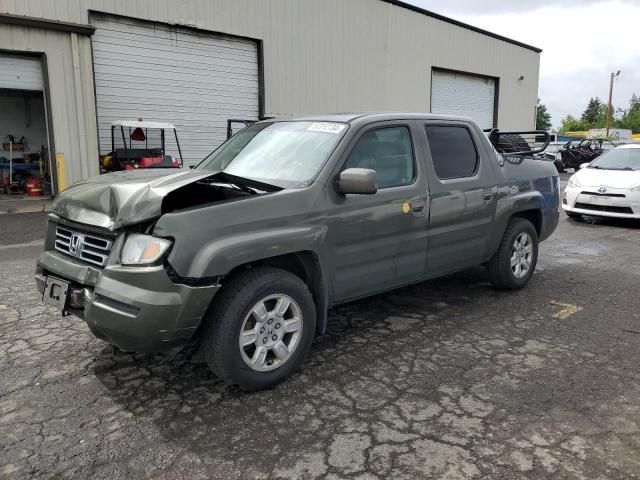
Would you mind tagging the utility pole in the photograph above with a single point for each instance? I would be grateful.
(609, 106)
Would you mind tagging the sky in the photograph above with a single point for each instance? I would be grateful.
(583, 41)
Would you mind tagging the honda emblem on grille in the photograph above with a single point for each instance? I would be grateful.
(602, 190)
(75, 243)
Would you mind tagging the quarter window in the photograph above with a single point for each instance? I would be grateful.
(453, 151)
(389, 152)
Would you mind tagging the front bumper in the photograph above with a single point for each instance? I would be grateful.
(616, 203)
(137, 309)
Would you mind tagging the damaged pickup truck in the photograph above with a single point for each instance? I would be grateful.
(248, 250)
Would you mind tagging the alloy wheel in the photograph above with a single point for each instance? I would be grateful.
(270, 332)
(522, 255)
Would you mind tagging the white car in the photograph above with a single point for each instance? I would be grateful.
(609, 186)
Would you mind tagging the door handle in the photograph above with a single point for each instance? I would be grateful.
(417, 207)
(487, 195)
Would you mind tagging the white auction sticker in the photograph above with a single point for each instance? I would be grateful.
(326, 127)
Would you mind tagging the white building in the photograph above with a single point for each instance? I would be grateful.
(618, 134)
(69, 68)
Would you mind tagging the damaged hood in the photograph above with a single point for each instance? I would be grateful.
(121, 198)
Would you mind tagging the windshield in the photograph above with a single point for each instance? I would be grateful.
(288, 154)
(618, 159)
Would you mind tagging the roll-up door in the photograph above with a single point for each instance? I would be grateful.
(467, 95)
(20, 73)
(194, 80)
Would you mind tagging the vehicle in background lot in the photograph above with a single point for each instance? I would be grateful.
(140, 144)
(573, 154)
(608, 186)
(286, 219)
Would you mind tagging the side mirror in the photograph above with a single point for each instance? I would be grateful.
(583, 165)
(359, 181)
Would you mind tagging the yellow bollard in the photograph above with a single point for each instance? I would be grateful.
(62, 179)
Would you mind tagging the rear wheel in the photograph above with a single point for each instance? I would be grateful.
(513, 264)
(559, 165)
(260, 328)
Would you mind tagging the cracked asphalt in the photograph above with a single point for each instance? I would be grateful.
(446, 379)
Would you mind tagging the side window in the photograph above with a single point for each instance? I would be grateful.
(453, 152)
(389, 152)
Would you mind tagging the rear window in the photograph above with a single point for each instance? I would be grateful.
(453, 151)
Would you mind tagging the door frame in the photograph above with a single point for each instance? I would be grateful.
(496, 93)
(48, 116)
(92, 13)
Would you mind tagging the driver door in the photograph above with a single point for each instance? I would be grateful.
(379, 241)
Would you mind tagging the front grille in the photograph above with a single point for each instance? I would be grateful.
(616, 195)
(603, 208)
(88, 248)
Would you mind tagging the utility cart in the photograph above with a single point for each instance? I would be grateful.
(140, 144)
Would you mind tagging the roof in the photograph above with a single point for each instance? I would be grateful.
(368, 117)
(457, 23)
(142, 124)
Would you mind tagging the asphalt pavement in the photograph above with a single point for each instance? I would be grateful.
(446, 379)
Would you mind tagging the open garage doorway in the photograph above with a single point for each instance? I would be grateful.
(26, 167)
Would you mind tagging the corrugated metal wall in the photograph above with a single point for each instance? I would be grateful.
(335, 55)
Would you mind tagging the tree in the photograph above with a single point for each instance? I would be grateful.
(594, 113)
(543, 117)
(629, 119)
(634, 103)
(595, 116)
(572, 124)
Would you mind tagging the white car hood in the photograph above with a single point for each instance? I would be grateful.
(593, 177)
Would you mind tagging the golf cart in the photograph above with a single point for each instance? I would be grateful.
(140, 144)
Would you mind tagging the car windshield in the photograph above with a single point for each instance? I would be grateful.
(286, 154)
(618, 159)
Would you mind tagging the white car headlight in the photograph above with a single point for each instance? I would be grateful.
(636, 188)
(573, 182)
(143, 249)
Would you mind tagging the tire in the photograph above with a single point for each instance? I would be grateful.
(232, 312)
(501, 272)
(512, 143)
(559, 165)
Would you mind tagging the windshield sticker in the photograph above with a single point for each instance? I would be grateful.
(327, 127)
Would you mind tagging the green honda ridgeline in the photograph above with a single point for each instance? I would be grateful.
(248, 250)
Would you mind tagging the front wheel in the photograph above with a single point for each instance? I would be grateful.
(513, 264)
(260, 328)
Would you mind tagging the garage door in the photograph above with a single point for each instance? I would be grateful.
(157, 72)
(20, 73)
(467, 95)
